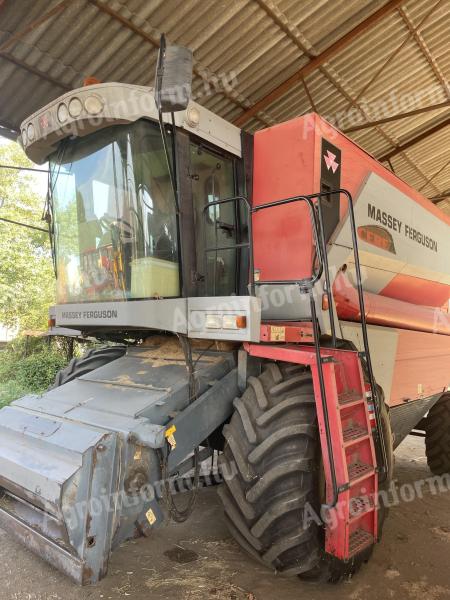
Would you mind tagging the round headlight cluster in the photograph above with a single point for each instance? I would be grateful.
(62, 113)
(93, 105)
(31, 132)
(193, 116)
(75, 108)
(28, 134)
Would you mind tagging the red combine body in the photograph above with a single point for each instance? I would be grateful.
(391, 294)
(404, 246)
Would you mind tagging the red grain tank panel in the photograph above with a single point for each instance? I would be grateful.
(288, 162)
(283, 167)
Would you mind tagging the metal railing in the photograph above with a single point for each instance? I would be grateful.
(319, 267)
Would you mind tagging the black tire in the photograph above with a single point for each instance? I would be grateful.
(437, 437)
(389, 445)
(272, 473)
(93, 359)
(270, 469)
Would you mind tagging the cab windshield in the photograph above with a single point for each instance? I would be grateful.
(115, 231)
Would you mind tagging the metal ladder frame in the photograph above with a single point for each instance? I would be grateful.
(313, 202)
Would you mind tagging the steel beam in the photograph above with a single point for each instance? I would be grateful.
(8, 130)
(36, 23)
(317, 61)
(411, 113)
(443, 196)
(426, 53)
(415, 140)
(30, 69)
(102, 6)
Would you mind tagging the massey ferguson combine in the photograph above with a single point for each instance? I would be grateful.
(280, 298)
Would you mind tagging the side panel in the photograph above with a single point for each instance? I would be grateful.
(422, 366)
(383, 343)
(169, 315)
(283, 167)
(403, 238)
(409, 365)
(397, 238)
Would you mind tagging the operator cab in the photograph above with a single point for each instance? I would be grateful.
(115, 220)
(120, 234)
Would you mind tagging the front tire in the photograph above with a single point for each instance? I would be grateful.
(273, 483)
(270, 469)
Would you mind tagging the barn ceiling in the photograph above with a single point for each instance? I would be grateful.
(378, 69)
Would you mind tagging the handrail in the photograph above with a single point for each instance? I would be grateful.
(321, 246)
(306, 286)
(376, 400)
(302, 283)
(248, 244)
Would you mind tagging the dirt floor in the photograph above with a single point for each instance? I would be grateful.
(412, 562)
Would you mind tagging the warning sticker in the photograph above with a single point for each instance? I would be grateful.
(151, 518)
(170, 436)
(277, 334)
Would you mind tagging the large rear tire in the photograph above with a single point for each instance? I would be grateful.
(93, 359)
(272, 473)
(437, 437)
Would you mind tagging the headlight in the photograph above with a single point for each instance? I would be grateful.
(24, 137)
(30, 132)
(62, 113)
(93, 105)
(193, 116)
(75, 107)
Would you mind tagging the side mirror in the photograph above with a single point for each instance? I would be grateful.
(173, 87)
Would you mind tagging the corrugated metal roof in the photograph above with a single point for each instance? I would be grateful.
(243, 50)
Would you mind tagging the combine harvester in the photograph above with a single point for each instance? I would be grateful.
(280, 298)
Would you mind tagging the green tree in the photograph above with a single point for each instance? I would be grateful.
(27, 285)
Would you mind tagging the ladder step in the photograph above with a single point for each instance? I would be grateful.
(360, 506)
(359, 471)
(359, 541)
(350, 399)
(354, 434)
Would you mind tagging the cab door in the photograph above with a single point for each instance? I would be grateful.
(213, 177)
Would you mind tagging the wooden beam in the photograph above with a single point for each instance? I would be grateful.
(126, 22)
(406, 40)
(415, 140)
(318, 60)
(405, 115)
(295, 35)
(436, 174)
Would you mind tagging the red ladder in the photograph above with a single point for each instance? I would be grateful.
(348, 448)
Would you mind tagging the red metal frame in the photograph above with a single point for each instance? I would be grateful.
(352, 524)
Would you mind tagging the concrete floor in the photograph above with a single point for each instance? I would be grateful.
(412, 562)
